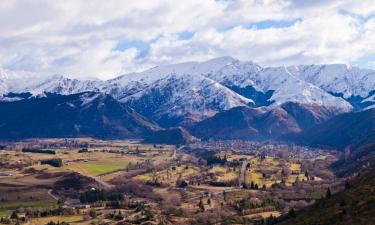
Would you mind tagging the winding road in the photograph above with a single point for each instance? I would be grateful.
(52, 195)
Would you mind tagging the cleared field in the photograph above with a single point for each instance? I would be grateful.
(6, 208)
(218, 169)
(264, 214)
(272, 161)
(292, 178)
(228, 177)
(76, 219)
(223, 173)
(96, 168)
(295, 167)
(170, 175)
(255, 177)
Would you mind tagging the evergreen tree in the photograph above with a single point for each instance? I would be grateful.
(201, 205)
(347, 185)
(14, 215)
(328, 194)
(225, 195)
(292, 213)
(252, 185)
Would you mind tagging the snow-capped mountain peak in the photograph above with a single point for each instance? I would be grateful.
(170, 94)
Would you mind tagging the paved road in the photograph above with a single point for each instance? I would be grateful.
(175, 151)
(103, 183)
(52, 195)
(174, 154)
(243, 172)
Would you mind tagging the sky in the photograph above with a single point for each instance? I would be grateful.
(103, 39)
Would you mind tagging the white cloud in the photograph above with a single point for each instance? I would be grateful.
(79, 37)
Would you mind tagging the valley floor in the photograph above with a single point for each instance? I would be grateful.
(88, 181)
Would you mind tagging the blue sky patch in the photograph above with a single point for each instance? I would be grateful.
(140, 45)
(367, 61)
(266, 24)
(362, 19)
(186, 35)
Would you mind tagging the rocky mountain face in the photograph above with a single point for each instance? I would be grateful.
(187, 93)
(85, 114)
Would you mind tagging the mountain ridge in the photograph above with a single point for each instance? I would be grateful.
(84, 114)
(186, 93)
(278, 123)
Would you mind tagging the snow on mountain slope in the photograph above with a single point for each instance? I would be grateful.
(370, 101)
(285, 86)
(37, 84)
(17, 81)
(183, 99)
(192, 91)
(338, 78)
(129, 84)
(178, 93)
(288, 87)
(61, 85)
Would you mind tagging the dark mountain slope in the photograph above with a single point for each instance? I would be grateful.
(177, 135)
(261, 124)
(85, 114)
(349, 129)
(355, 160)
(236, 123)
(309, 115)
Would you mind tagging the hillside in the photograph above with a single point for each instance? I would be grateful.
(262, 123)
(353, 206)
(172, 136)
(85, 114)
(349, 129)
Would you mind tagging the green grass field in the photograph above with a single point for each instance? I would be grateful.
(96, 168)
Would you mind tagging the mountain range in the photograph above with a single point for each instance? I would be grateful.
(186, 93)
(222, 98)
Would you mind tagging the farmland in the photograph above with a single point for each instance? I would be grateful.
(76, 219)
(7, 207)
(101, 166)
(129, 181)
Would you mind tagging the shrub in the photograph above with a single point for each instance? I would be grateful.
(32, 150)
(56, 162)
